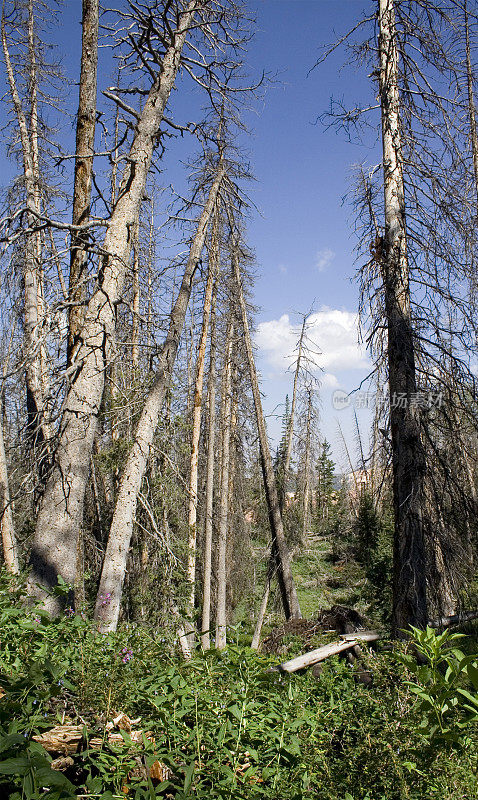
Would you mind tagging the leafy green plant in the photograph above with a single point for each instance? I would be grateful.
(443, 686)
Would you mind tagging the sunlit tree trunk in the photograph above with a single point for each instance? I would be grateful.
(409, 582)
(226, 418)
(61, 512)
(10, 551)
(211, 442)
(196, 431)
(114, 564)
(85, 148)
(37, 424)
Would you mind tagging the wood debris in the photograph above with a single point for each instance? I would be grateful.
(63, 739)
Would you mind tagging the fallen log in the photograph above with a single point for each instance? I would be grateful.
(362, 636)
(62, 739)
(455, 619)
(314, 656)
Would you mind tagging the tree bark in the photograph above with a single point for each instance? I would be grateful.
(61, 511)
(290, 431)
(306, 498)
(37, 426)
(7, 528)
(196, 431)
(288, 591)
(409, 580)
(211, 442)
(135, 307)
(471, 100)
(85, 148)
(114, 564)
(226, 420)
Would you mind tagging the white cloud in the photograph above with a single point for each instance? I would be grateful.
(324, 258)
(331, 331)
(329, 381)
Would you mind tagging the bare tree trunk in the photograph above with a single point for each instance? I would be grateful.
(288, 591)
(196, 430)
(226, 419)
(471, 99)
(263, 608)
(290, 429)
(211, 437)
(114, 565)
(84, 151)
(135, 306)
(85, 148)
(37, 425)
(10, 552)
(409, 584)
(61, 511)
(306, 498)
(37, 241)
(282, 493)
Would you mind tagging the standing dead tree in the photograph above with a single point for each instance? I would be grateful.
(114, 564)
(287, 587)
(157, 41)
(224, 495)
(84, 151)
(26, 115)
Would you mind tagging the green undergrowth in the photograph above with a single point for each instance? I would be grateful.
(223, 724)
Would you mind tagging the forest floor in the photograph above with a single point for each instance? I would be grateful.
(143, 723)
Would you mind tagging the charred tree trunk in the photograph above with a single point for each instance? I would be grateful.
(282, 494)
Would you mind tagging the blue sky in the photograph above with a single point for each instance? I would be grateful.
(304, 238)
(303, 233)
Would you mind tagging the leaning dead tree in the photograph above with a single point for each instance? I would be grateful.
(287, 587)
(159, 48)
(114, 563)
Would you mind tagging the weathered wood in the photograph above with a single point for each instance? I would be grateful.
(314, 656)
(61, 739)
(362, 636)
(455, 619)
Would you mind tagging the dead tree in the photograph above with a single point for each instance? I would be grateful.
(209, 501)
(114, 564)
(288, 591)
(409, 582)
(84, 152)
(224, 497)
(196, 425)
(61, 512)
